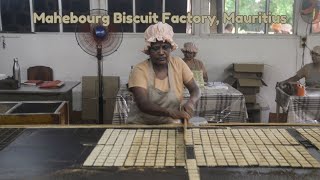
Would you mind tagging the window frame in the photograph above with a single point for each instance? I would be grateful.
(33, 24)
(31, 12)
(102, 4)
(267, 25)
(1, 19)
(195, 8)
(163, 10)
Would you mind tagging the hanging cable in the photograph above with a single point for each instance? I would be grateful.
(304, 45)
(3, 42)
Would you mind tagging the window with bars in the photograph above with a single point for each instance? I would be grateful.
(48, 7)
(144, 7)
(78, 7)
(249, 12)
(15, 16)
(122, 6)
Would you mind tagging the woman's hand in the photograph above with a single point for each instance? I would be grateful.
(189, 108)
(175, 114)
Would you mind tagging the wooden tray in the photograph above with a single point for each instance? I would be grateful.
(34, 112)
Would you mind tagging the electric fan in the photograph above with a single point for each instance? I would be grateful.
(309, 11)
(99, 41)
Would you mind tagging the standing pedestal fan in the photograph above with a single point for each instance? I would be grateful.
(99, 41)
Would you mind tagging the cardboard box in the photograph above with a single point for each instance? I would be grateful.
(246, 86)
(246, 68)
(247, 78)
(253, 107)
(251, 68)
(90, 95)
(250, 98)
(249, 90)
(246, 75)
(244, 82)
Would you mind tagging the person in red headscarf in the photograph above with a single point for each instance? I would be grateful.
(276, 27)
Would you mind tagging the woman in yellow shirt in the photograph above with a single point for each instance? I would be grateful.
(158, 83)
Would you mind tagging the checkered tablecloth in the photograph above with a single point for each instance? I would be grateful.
(300, 109)
(224, 105)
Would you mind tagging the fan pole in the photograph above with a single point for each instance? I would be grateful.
(93, 37)
(100, 81)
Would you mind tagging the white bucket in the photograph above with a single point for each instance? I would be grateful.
(264, 115)
(3, 76)
(265, 110)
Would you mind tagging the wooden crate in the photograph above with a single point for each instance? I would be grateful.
(34, 112)
(90, 97)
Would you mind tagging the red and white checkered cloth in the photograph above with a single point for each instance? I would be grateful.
(300, 109)
(226, 105)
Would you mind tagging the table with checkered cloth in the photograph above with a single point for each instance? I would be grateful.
(224, 105)
(300, 109)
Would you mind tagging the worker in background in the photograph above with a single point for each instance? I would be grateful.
(190, 51)
(311, 71)
(276, 27)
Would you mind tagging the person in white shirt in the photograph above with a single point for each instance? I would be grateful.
(228, 28)
(286, 28)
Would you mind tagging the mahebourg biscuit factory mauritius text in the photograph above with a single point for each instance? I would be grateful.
(151, 18)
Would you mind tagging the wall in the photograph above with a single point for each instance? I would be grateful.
(281, 54)
(69, 62)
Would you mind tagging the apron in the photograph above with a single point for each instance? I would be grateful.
(167, 100)
(198, 77)
(197, 74)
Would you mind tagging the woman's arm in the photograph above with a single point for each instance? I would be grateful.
(292, 79)
(299, 75)
(195, 95)
(205, 74)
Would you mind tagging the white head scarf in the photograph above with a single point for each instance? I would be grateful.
(190, 47)
(316, 49)
(159, 32)
(286, 27)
